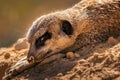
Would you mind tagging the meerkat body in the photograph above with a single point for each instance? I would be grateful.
(88, 22)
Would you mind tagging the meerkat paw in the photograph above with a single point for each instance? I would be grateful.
(24, 64)
(19, 67)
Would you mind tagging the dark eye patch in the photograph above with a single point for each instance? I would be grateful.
(67, 27)
(41, 40)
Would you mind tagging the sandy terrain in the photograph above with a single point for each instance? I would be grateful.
(101, 62)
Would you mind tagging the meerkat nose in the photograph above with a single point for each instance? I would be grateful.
(31, 59)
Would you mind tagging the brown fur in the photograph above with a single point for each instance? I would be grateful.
(93, 22)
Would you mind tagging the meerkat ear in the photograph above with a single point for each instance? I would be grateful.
(67, 27)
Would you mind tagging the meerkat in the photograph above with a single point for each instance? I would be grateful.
(88, 22)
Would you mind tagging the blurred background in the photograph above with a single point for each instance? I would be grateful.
(16, 16)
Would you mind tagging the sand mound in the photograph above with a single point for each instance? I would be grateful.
(102, 63)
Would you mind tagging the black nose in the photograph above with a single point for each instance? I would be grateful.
(30, 58)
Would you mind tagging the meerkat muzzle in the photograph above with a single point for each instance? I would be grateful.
(31, 59)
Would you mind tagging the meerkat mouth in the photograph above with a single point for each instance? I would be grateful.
(48, 55)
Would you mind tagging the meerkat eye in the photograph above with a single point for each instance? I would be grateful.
(67, 27)
(41, 40)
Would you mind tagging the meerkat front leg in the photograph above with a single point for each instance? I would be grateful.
(24, 64)
(19, 67)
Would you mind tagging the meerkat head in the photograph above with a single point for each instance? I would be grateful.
(49, 35)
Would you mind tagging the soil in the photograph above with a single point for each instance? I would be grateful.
(100, 62)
